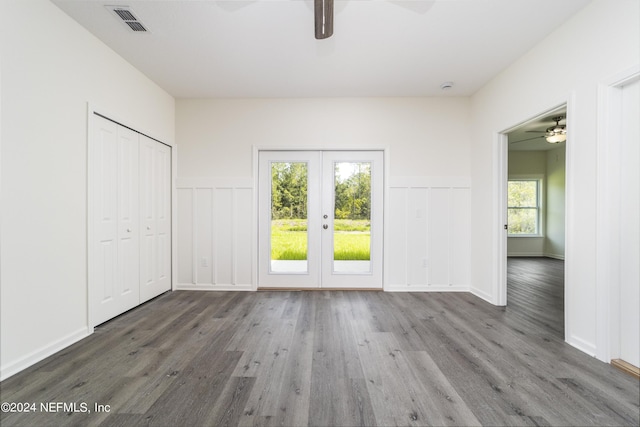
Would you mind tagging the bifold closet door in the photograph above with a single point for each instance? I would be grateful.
(115, 270)
(155, 216)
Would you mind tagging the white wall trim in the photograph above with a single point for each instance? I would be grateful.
(482, 295)
(90, 208)
(499, 249)
(215, 182)
(425, 288)
(581, 344)
(255, 216)
(525, 254)
(386, 188)
(215, 287)
(607, 233)
(430, 182)
(44, 352)
(227, 277)
(569, 225)
(418, 204)
(174, 218)
(535, 255)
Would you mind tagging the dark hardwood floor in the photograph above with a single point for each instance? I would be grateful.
(327, 358)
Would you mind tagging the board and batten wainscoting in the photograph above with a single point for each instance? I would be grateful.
(215, 234)
(427, 234)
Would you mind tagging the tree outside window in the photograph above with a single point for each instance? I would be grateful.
(523, 207)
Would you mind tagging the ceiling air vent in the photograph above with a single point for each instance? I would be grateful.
(124, 15)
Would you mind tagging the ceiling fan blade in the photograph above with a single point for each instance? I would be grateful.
(528, 139)
(323, 13)
(534, 131)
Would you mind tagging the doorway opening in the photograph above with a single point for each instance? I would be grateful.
(320, 219)
(533, 210)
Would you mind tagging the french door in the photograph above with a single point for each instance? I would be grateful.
(320, 219)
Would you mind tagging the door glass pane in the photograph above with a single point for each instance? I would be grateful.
(352, 217)
(289, 240)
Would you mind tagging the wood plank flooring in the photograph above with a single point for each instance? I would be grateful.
(333, 358)
(535, 292)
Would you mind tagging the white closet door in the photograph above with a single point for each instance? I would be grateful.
(115, 272)
(155, 230)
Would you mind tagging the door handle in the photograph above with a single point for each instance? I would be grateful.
(325, 226)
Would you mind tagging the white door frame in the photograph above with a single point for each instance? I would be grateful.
(500, 179)
(608, 200)
(256, 177)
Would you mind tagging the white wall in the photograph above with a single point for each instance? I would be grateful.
(51, 69)
(555, 203)
(601, 40)
(428, 152)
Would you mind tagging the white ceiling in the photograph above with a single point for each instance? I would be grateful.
(266, 48)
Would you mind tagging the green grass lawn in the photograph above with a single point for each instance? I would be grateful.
(352, 240)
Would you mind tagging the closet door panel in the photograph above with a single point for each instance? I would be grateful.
(155, 232)
(114, 269)
(148, 257)
(128, 218)
(105, 265)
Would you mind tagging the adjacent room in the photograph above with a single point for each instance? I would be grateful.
(326, 212)
(536, 219)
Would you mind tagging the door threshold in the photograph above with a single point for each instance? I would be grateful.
(626, 367)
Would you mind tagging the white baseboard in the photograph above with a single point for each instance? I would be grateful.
(42, 353)
(582, 345)
(525, 254)
(535, 255)
(425, 288)
(388, 288)
(482, 295)
(210, 287)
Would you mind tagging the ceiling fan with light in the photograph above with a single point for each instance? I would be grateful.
(557, 133)
(553, 134)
